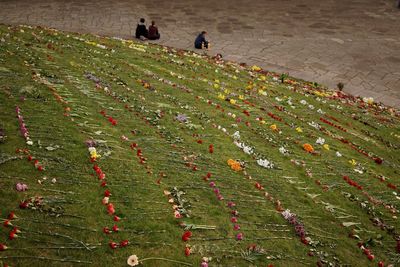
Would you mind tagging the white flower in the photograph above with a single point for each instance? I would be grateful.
(265, 163)
(338, 154)
(303, 102)
(320, 141)
(321, 111)
(91, 149)
(29, 142)
(248, 150)
(310, 106)
(133, 260)
(54, 180)
(286, 214)
(236, 135)
(283, 150)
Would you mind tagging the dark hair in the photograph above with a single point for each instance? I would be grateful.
(142, 20)
(203, 32)
(153, 22)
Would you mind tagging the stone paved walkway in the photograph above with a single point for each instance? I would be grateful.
(356, 42)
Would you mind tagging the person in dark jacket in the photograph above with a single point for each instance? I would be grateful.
(201, 41)
(153, 32)
(141, 31)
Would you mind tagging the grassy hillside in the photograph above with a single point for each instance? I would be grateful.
(112, 148)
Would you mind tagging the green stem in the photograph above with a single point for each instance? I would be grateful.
(154, 258)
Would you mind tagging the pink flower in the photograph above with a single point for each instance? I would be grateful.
(236, 227)
(231, 204)
(212, 184)
(234, 220)
(21, 187)
(239, 236)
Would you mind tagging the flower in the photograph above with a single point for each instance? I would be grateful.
(273, 127)
(12, 216)
(115, 228)
(21, 187)
(239, 236)
(124, 243)
(236, 227)
(326, 146)
(105, 200)
(338, 154)
(110, 208)
(3, 247)
(320, 141)
(188, 251)
(113, 245)
(307, 147)
(133, 260)
(186, 236)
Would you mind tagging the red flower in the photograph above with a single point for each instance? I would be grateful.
(30, 158)
(116, 218)
(103, 184)
(124, 243)
(110, 208)
(113, 245)
(107, 193)
(3, 247)
(208, 175)
(234, 220)
(371, 257)
(199, 141)
(36, 162)
(115, 228)
(12, 215)
(40, 168)
(187, 251)
(211, 149)
(378, 161)
(106, 230)
(7, 223)
(12, 235)
(381, 264)
(133, 145)
(186, 236)
(24, 204)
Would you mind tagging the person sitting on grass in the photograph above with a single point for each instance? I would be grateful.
(141, 31)
(153, 32)
(201, 41)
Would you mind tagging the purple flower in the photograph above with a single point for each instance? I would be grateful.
(182, 117)
(90, 143)
(216, 191)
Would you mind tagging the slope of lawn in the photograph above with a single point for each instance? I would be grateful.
(112, 148)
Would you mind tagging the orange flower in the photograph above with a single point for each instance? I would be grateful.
(230, 162)
(307, 147)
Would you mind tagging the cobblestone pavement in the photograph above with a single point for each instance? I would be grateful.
(356, 42)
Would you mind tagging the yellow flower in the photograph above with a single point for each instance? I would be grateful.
(216, 86)
(299, 130)
(261, 92)
(326, 146)
(226, 91)
(232, 101)
(263, 78)
(262, 122)
(353, 162)
(241, 97)
(249, 87)
(234, 77)
(273, 127)
(216, 81)
(221, 96)
(255, 68)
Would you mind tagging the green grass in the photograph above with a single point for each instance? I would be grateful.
(63, 81)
